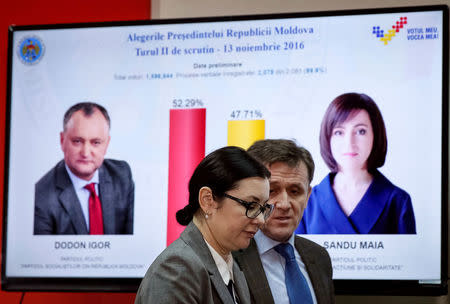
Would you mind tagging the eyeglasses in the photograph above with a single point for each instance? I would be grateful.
(253, 209)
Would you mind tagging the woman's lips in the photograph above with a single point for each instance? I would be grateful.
(250, 233)
(350, 154)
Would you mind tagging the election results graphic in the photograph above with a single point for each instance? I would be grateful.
(176, 92)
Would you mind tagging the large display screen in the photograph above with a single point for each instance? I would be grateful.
(176, 90)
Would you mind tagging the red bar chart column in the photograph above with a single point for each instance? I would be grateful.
(186, 150)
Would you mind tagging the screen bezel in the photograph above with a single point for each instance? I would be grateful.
(342, 287)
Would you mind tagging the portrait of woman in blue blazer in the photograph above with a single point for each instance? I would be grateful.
(355, 198)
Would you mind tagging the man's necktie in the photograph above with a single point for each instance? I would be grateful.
(230, 289)
(95, 211)
(296, 285)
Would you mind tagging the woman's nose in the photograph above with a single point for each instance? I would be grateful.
(260, 219)
(350, 139)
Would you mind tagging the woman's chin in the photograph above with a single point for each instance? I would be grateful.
(243, 244)
(351, 167)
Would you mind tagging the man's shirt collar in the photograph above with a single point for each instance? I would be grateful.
(79, 183)
(265, 243)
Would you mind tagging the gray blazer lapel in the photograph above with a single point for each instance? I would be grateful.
(313, 271)
(241, 285)
(107, 200)
(193, 237)
(220, 287)
(250, 263)
(69, 200)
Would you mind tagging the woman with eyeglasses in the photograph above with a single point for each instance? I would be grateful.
(228, 194)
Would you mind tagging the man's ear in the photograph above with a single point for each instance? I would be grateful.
(309, 193)
(206, 200)
(61, 138)
(107, 142)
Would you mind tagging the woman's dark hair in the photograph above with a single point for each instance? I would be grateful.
(338, 111)
(220, 170)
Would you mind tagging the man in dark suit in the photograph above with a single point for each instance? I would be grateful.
(265, 265)
(85, 193)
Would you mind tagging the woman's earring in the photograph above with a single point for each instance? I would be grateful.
(206, 216)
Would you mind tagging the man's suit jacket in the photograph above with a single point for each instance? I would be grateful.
(185, 272)
(57, 209)
(315, 258)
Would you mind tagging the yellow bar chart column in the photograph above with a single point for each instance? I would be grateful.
(243, 133)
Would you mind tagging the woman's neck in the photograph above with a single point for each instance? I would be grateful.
(353, 178)
(349, 188)
(205, 230)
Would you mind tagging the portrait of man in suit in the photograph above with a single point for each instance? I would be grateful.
(279, 266)
(85, 193)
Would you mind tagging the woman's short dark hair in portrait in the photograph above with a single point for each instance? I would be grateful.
(338, 111)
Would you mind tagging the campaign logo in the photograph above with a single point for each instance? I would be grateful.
(387, 36)
(31, 49)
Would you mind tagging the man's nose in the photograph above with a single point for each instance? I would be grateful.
(282, 200)
(85, 149)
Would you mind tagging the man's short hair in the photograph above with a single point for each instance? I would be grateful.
(88, 109)
(270, 151)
